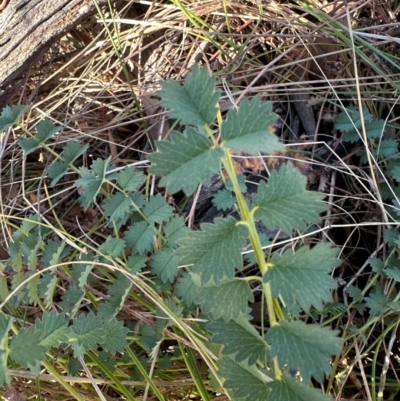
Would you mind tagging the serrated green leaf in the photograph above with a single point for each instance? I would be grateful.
(390, 236)
(56, 171)
(26, 349)
(86, 333)
(5, 327)
(163, 319)
(115, 337)
(304, 347)
(302, 276)
(54, 252)
(377, 265)
(223, 200)
(72, 151)
(53, 329)
(215, 250)
(157, 210)
(374, 129)
(217, 300)
(240, 339)
(289, 389)
(4, 292)
(393, 273)
(285, 203)
(112, 247)
(32, 287)
(45, 130)
(117, 206)
(11, 115)
(249, 128)
(117, 292)
(377, 301)
(71, 300)
(92, 180)
(346, 121)
(387, 148)
(80, 272)
(355, 293)
(50, 287)
(194, 103)
(244, 382)
(175, 229)
(185, 161)
(186, 289)
(135, 263)
(148, 337)
(129, 179)
(140, 237)
(165, 265)
(395, 173)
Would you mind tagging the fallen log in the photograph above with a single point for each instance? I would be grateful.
(28, 28)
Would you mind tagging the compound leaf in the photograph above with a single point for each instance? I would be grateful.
(217, 300)
(165, 265)
(240, 339)
(302, 276)
(157, 210)
(185, 161)
(289, 388)
(195, 102)
(249, 129)
(26, 349)
(285, 203)
(215, 250)
(304, 347)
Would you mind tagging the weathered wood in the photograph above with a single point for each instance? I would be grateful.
(28, 28)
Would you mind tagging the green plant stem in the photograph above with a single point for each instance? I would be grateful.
(247, 218)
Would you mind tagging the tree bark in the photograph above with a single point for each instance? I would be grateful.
(27, 30)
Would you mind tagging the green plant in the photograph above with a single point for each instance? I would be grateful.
(189, 269)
